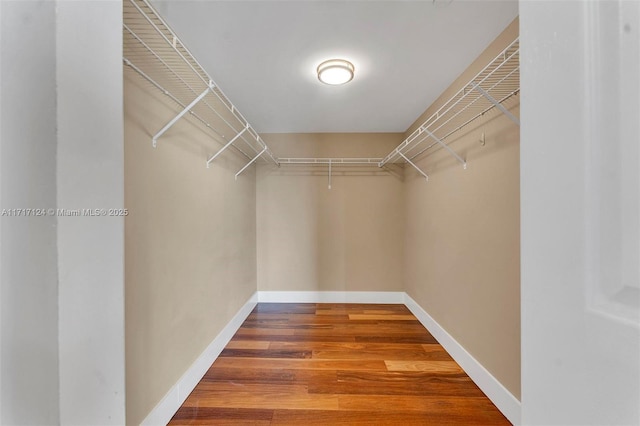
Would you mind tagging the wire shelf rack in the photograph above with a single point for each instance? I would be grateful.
(336, 161)
(490, 88)
(330, 163)
(154, 51)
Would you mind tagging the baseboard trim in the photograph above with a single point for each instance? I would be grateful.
(508, 404)
(331, 296)
(167, 407)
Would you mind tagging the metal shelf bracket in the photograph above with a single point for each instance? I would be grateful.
(228, 144)
(445, 146)
(182, 113)
(251, 162)
(496, 103)
(414, 166)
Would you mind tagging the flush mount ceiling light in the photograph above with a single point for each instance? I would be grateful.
(335, 72)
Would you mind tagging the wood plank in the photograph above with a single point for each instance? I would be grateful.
(441, 367)
(222, 422)
(400, 310)
(271, 400)
(385, 317)
(352, 346)
(347, 308)
(378, 418)
(307, 338)
(266, 324)
(264, 353)
(260, 396)
(298, 318)
(309, 364)
(266, 376)
(433, 405)
(342, 321)
(285, 308)
(263, 331)
(405, 338)
(226, 416)
(432, 347)
(208, 387)
(396, 383)
(394, 354)
(376, 330)
(247, 344)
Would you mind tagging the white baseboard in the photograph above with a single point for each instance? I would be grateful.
(498, 394)
(331, 296)
(167, 407)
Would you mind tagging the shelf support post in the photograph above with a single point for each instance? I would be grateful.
(445, 146)
(228, 144)
(414, 166)
(497, 104)
(182, 113)
(251, 162)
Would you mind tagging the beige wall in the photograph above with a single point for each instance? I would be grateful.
(190, 244)
(198, 243)
(463, 235)
(349, 238)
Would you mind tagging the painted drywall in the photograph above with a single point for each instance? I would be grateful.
(90, 169)
(62, 277)
(462, 234)
(580, 197)
(190, 243)
(28, 262)
(347, 238)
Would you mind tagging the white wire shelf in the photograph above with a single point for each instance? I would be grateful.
(490, 88)
(330, 163)
(153, 50)
(333, 161)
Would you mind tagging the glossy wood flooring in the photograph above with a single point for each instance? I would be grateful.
(335, 364)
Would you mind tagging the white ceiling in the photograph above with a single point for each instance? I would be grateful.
(263, 55)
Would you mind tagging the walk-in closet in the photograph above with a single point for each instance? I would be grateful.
(319, 212)
(424, 213)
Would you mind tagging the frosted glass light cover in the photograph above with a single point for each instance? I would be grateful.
(335, 71)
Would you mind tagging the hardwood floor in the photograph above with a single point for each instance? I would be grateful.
(335, 364)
